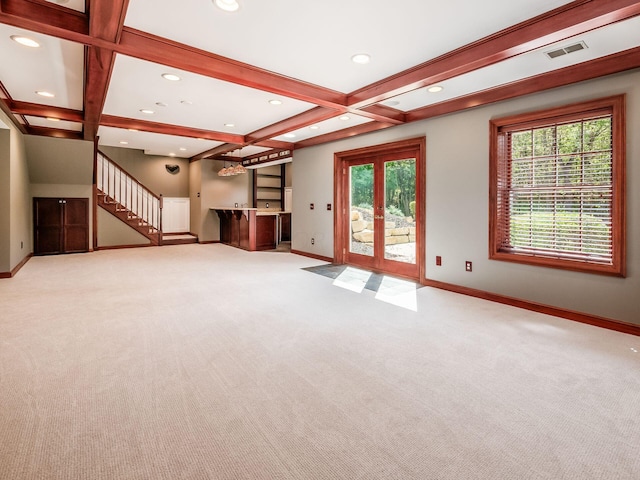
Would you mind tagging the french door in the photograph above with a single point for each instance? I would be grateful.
(381, 206)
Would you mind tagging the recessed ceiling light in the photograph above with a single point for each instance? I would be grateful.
(290, 135)
(172, 154)
(392, 103)
(361, 58)
(161, 104)
(344, 118)
(172, 77)
(182, 149)
(314, 127)
(147, 111)
(42, 93)
(26, 41)
(132, 129)
(61, 2)
(199, 138)
(227, 5)
(275, 102)
(230, 125)
(52, 119)
(186, 102)
(124, 143)
(435, 89)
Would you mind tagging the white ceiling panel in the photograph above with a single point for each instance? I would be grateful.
(314, 41)
(326, 126)
(194, 101)
(601, 42)
(56, 67)
(154, 143)
(78, 5)
(60, 124)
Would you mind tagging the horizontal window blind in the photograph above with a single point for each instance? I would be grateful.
(555, 190)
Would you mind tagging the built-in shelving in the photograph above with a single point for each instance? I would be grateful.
(268, 187)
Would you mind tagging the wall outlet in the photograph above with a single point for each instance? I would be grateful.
(21, 245)
(468, 266)
(438, 260)
(328, 206)
(313, 241)
(311, 206)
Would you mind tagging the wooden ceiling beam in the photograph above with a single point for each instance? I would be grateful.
(106, 21)
(304, 119)
(5, 102)
(615, 63)
(54, 132)
(216, 151)
(184, 57)
(78, 27)
(382, 113)
(46, 111)
(342, 134)
(167, 129)
(275, 144)
(569, 20)
(31, 14)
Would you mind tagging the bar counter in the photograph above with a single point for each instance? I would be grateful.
(248, 228)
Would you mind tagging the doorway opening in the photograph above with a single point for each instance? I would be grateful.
(380, 201)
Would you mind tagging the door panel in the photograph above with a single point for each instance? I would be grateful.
(60, 225)
(381, 233)
(76, 225)
(47, 217)
(400, 195)
(361, 222)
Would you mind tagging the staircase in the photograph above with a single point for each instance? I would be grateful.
(123, 196)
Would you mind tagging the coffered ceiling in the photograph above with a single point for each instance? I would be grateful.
(104, 60)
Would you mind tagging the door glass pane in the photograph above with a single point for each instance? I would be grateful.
(361, 209)
(400, 210)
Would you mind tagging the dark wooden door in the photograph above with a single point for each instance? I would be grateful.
(61, 225)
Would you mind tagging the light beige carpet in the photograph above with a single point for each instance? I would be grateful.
(208, 362)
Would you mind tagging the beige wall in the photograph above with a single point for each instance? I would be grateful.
(150, 170)
(61, 168)
(457, 204)
(5, 196)
(15, 220)
(288, 178)
(216, 191)
(59, 160)
(113, 232)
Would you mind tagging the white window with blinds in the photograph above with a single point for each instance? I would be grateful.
(557, 187)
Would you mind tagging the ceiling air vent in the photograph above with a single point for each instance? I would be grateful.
(565, 50)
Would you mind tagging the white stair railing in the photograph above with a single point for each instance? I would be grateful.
(124, 189)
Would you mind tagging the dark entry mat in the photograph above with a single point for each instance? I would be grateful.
(374, 281)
